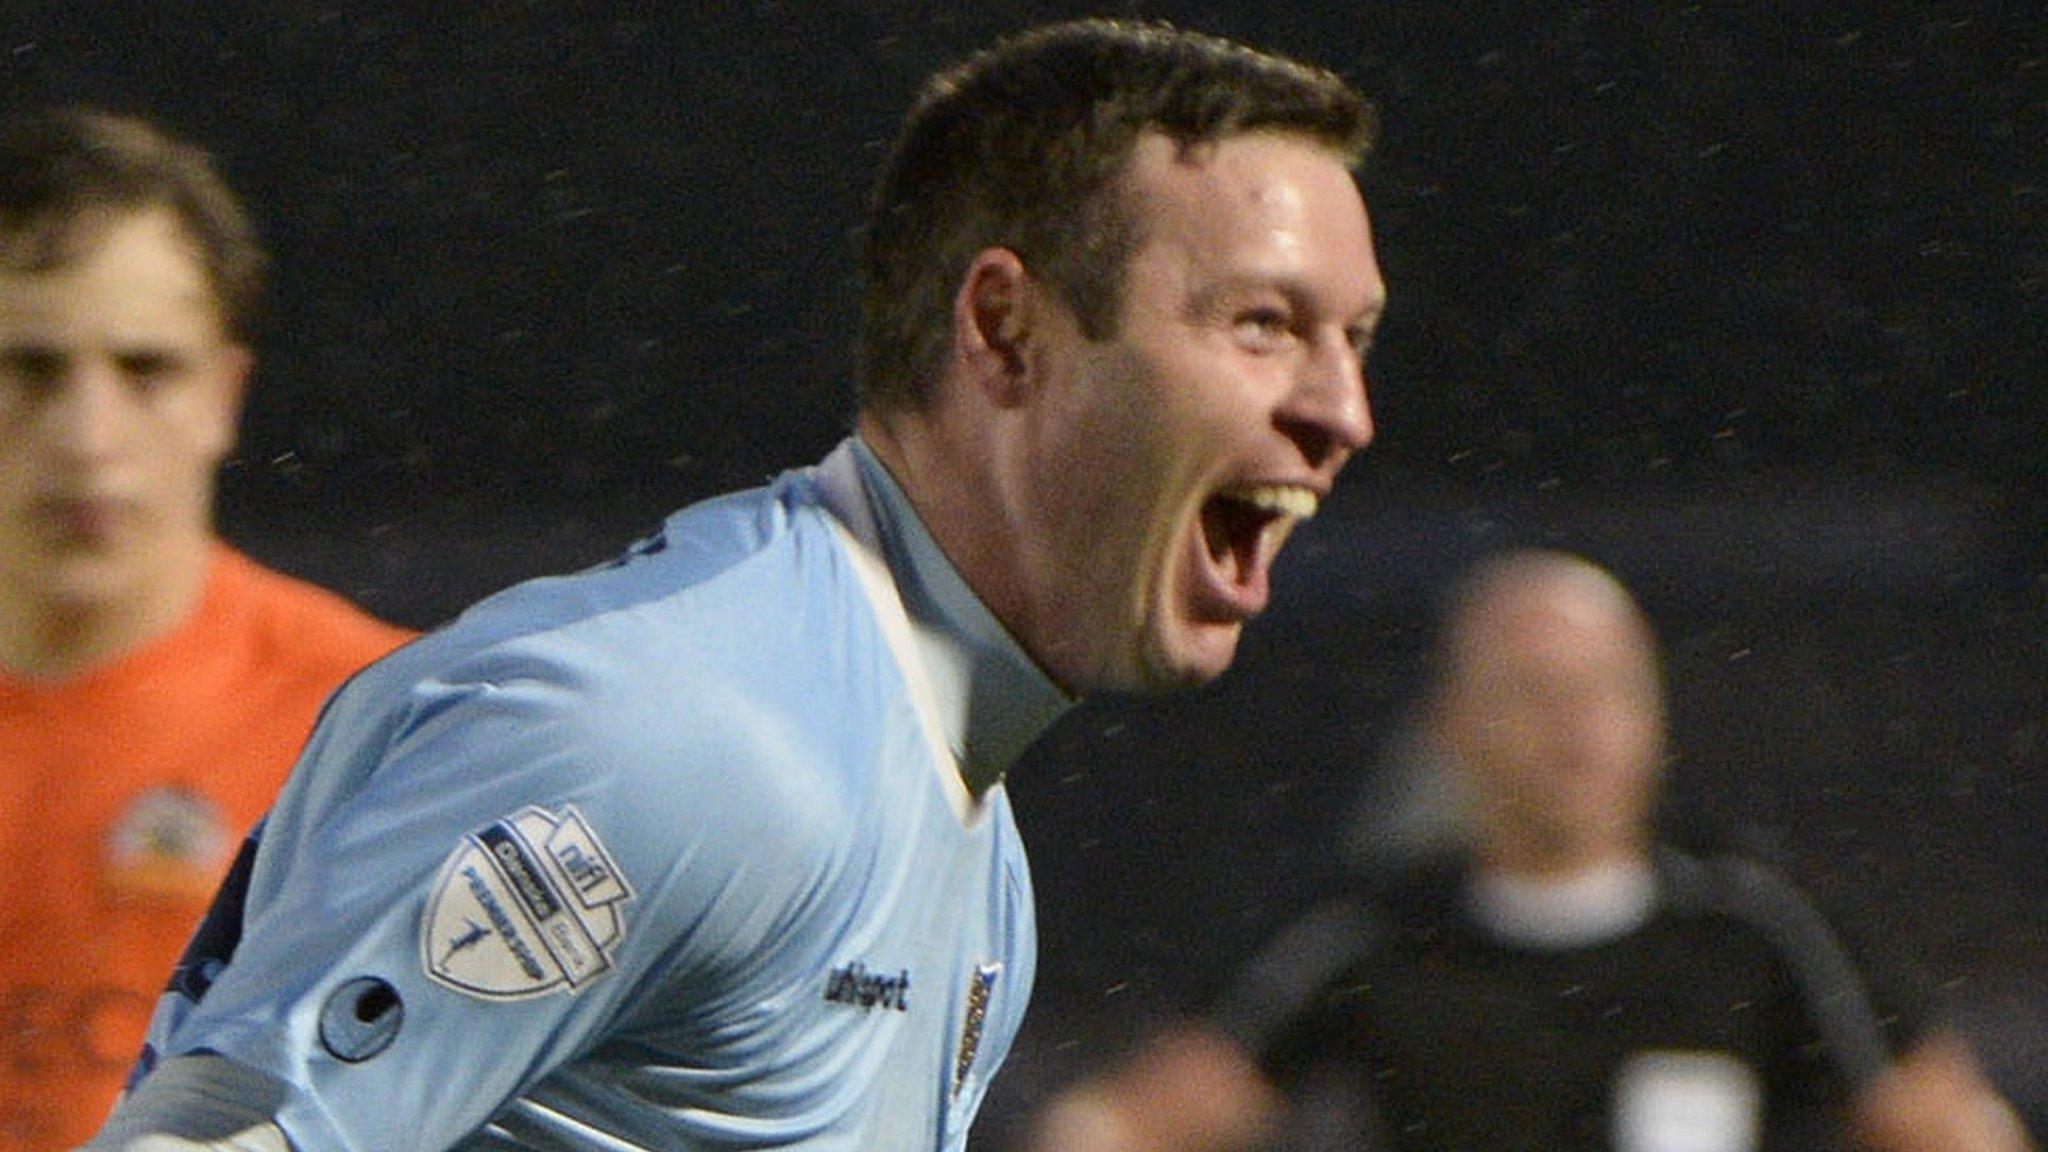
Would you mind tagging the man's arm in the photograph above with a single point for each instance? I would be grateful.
(1190, 1090)
(1935, 1098)
(200, 1103)
(1199, 1087)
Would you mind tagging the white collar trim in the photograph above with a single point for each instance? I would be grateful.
(1593, 907)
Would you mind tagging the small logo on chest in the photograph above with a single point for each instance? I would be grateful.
(855, 986)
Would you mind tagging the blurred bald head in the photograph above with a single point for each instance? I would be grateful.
(1550, 705)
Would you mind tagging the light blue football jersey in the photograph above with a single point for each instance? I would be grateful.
(674, 853)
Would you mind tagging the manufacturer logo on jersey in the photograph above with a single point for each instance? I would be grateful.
(527, 906)
(854, 985)
(978, 994)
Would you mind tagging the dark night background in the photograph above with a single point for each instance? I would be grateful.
(1748, 301)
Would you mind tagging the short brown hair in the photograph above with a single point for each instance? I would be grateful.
(66, 174)
(1023, 146)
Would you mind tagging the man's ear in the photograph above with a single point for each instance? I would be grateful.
(993, 315)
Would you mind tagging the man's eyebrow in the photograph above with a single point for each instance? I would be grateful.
(29, 346)
(1238, 284)
(1297, 289)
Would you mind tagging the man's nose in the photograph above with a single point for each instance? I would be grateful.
(85, 414)
(1328, 411)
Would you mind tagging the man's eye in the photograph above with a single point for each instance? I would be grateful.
(32, 367)
(1360, 340)
(147, 369)
(1264, 326)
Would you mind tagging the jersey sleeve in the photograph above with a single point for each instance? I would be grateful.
(470, 879)
(1266, 997)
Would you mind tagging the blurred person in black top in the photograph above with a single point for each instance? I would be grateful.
(1555, 976)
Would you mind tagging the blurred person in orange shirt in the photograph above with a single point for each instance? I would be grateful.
(155, 684)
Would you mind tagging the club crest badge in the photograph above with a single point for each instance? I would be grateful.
(979, 991)
(168, 845)
(528, 906)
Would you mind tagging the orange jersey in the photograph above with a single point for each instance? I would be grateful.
(124, 793)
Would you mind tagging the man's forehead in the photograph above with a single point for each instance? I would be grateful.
(140, 259)
(1258, 206)
(1247, 159)
(1561, 610)
(60, 236)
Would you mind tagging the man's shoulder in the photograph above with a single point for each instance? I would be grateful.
(707, 624)
(749, 536)
(1729, 885)
(1865, 998)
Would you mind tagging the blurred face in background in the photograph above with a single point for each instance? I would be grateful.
(1552, 710)
(120, 393)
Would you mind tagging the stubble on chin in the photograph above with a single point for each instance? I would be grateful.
(1162, 666)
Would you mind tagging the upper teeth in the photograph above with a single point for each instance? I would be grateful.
(1284, 499)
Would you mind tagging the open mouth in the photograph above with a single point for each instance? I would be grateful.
(78, 518)
(1244, 527)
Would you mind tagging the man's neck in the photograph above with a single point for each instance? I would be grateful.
(1549, 856)
(958, 508)
(992, 701)
(47, 636)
